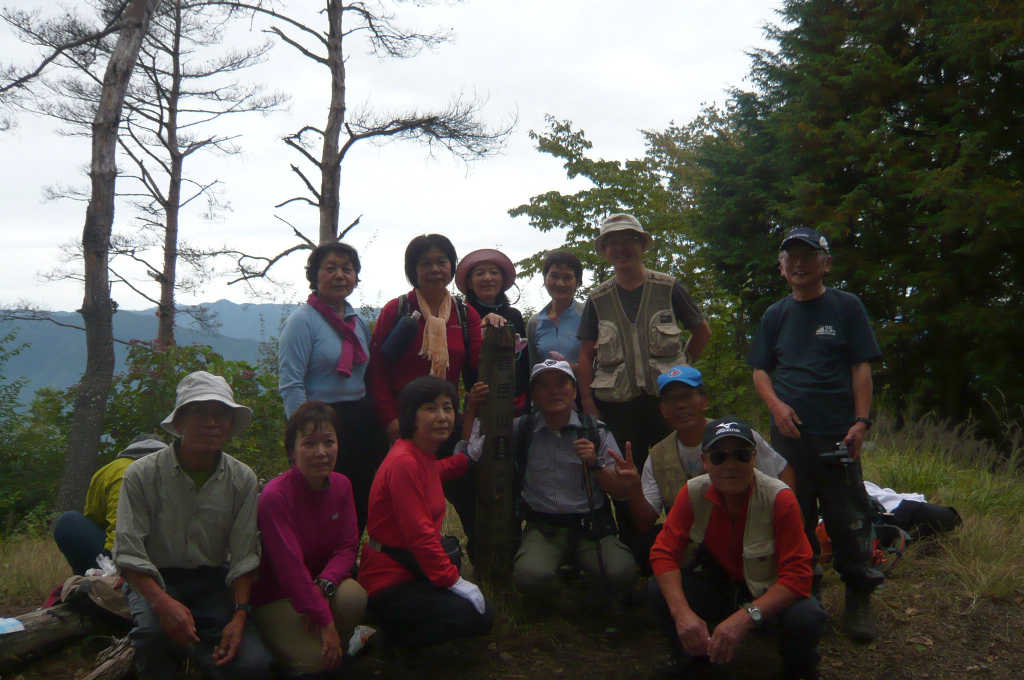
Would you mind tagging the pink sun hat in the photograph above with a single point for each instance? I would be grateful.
(476, 257)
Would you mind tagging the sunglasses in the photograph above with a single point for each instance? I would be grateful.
(718, 456)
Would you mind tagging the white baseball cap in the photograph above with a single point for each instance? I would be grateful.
(552, 365)
(203, 386)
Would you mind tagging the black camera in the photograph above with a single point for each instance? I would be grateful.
(841, 455)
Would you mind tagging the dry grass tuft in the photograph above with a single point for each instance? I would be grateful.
(30, 567)
(987, 556)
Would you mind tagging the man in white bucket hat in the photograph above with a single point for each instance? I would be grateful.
(629, 335)
(187, 543)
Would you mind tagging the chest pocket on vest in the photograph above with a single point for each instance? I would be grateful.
(664, 335)
(608, 348)
(759, 560)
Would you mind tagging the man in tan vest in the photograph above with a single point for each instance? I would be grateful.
(629, 335)
(709, 589)
(678, 458)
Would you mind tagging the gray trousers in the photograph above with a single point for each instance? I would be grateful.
(209, 599)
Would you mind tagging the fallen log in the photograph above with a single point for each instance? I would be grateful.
(114, 662)
(45, 631)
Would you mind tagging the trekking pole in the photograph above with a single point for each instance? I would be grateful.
(593, 524)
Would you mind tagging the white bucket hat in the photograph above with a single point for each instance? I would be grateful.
(621, 222)
(203, 386)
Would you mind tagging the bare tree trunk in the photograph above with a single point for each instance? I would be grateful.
(496, 534)
(167, 311)
(97, 307)
(330, 160)
(45, 630)
(114, 662)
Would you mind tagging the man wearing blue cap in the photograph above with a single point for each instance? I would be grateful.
(677, 458)
(818, 344)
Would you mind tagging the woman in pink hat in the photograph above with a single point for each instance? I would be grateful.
(483, 276)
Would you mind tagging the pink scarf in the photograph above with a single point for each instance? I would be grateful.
(352, 351)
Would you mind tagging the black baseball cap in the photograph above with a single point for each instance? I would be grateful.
(808, 236)
(730, 426)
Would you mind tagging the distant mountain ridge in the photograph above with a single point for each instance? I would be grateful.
(56, 355)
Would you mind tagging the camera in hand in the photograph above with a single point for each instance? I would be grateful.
(841, 455)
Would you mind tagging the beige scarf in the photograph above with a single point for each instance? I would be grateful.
(435, 335)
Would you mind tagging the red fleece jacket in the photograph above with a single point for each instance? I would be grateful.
(406, 510)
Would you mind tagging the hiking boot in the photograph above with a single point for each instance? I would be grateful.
(858, 621)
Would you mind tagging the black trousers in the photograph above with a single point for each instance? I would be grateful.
(714, 597)
(419, 614)
(638, 421)
(362, 445)
(836, 490)
(640, 545)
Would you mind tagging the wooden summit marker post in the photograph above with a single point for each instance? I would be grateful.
(496, 533)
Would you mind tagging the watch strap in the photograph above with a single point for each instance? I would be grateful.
(244, 607)
(866, 421)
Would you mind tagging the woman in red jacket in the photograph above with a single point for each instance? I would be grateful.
(427, 332)
(307, 603)
(415, 591)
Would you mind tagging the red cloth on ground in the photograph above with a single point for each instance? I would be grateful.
(724, 539)
(306, 535)
(406, 510)
(385, 379)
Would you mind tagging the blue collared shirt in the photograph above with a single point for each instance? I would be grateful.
(307, 362)
(545, 336)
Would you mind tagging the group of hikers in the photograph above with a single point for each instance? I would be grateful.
(612, 431)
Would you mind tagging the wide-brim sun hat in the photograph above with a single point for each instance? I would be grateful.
(203, 386)
(621, 222)
(476, 257)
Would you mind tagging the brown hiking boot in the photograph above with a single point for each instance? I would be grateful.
(858, 621)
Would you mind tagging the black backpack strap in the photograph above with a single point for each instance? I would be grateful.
(460, 311)
(403, 306)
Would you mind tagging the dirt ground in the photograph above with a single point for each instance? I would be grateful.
(928, 630)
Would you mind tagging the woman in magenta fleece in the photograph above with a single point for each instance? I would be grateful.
(307, 603)
(415, 592)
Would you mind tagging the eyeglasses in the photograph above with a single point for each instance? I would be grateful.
(719, 456)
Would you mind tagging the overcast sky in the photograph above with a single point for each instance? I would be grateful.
(612, 68)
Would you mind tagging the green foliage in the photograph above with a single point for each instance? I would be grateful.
(145, 394)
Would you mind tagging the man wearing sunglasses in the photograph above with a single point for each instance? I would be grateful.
(732, 557)
(683, 402)
(818, 345)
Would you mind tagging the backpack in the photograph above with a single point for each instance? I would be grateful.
(404, 309)
(587, 429)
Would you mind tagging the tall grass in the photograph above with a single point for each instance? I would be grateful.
(952, 467)
(30, 567)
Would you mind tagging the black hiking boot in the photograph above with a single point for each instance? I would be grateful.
(858, 621)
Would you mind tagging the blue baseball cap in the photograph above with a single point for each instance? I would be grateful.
(684, 374)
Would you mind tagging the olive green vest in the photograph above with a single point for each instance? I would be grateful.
(629, 356)
(760, 564)
(669, 473)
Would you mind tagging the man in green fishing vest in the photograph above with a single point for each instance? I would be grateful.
(678, 457)
(629, 335)
(709, 589)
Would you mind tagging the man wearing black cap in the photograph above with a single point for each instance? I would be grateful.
(819, 344)
(711, 589)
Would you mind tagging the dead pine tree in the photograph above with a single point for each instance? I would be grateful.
(97, 310)
(180, 92)
(457, 127)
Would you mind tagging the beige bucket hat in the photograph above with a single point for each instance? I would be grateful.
(621, 222)
(203, 386)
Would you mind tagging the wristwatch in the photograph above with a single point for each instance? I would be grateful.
(244, 607)
(328, 587)
(755, 614)
(867, 421)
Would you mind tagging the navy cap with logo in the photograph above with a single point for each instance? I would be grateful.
(730, 426)
(808, 236)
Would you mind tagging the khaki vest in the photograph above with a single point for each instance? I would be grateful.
(760, 565)
(669, 473)
(631, 356)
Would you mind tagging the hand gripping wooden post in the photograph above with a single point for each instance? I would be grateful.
(497, 535)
